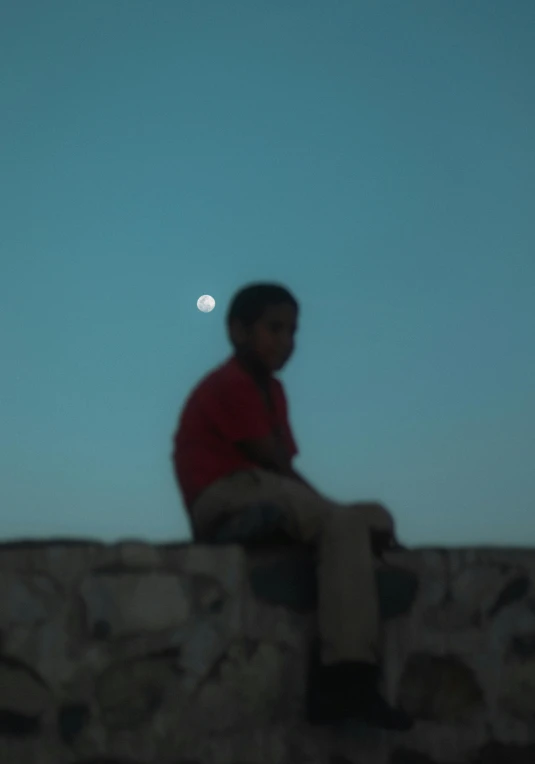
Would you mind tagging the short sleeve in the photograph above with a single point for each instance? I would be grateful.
(237, 412)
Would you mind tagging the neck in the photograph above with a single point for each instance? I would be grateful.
(253, 367)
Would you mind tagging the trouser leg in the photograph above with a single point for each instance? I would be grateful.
(348, 608)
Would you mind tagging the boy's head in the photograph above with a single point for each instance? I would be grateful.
(261, 322)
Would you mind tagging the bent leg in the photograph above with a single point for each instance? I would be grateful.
(348, 610)
(375, 514)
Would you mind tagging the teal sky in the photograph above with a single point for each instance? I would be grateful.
(377, 158)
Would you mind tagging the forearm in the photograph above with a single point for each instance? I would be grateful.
(291, 473)
(271, 454)
(286, 469)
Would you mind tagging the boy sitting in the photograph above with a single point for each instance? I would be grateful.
(233, 448)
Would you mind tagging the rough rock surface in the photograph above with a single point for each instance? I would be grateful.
(190, 654)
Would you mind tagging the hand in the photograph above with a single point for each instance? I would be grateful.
(384, 541)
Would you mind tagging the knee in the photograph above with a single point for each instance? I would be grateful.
(377, 515)
(384, 516)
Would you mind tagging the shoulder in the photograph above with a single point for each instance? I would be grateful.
(230, 378)
(227, 381)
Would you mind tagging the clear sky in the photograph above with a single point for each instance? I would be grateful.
(377, 158)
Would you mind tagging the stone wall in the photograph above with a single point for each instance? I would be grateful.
(187, 654)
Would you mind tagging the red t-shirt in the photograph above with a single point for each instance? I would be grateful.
(223, 409)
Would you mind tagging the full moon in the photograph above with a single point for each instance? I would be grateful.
(205, 303)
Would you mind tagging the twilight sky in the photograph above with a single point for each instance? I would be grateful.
(377, 158)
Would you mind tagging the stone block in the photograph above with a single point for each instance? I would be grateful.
(125, 603)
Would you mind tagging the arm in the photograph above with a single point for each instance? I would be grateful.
(297, 476)
(270, 454)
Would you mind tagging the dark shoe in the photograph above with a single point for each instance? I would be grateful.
(349, 691)
(383, 541)
(376, 712)
(326, 702)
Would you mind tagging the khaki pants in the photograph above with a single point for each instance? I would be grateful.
(348, 607)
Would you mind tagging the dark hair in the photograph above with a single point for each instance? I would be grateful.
(249, 304)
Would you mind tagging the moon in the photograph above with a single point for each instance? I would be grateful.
(206, 303)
